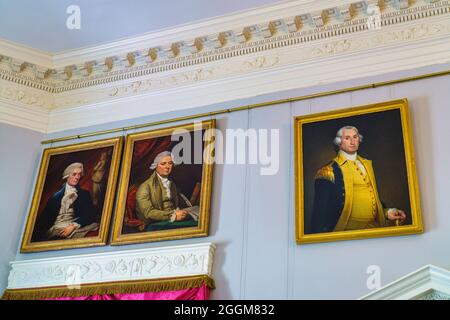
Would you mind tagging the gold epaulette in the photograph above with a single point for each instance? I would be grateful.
(325, 173)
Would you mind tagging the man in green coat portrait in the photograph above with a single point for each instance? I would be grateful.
(158, 201)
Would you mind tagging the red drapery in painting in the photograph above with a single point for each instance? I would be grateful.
(57, 164)
(144, 152)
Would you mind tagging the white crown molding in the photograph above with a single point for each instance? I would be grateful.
(143, 264)
(26, 54)
(294, 55)
(138, 102)
(280, 25)
(189, 32)
(24, 107)
(23, 95)
(291, 45)
(23, 116)
(427, 282)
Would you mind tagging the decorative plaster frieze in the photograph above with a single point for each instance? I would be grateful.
(24, 107)
(173, 80)
(241, 66)
(304, 44)
(226, 92)
(194, 76)
(377, 40)
(24, 95)
(126, 265)
(345, 18)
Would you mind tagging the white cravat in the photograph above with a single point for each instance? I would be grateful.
(70, 189)
(166, 184)
(353, 157)
(66, 215)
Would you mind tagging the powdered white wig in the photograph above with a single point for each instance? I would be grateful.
(72, 167)
(338, 140)
(160, 156)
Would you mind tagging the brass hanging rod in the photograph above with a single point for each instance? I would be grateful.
(252, 106)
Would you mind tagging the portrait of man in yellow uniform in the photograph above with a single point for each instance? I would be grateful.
(349, 186)
(345, 191)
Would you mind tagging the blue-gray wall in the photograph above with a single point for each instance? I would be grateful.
(19, 159)
(253, 216)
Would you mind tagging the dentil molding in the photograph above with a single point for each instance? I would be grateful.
(153, 263)
(343, 18)
(297, 55)
(223, 59)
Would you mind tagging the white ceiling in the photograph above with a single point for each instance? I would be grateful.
(41, 24)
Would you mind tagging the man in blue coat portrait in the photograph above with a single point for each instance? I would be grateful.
(69, 213)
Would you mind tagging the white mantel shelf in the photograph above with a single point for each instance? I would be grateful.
(126, 265)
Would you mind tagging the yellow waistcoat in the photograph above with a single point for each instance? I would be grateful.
(347, 173)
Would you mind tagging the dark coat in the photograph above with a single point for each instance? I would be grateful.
(329, 195)
(83, 209)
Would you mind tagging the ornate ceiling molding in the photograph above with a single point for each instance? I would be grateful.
(241, 56)
(24, 107)
(300, 28)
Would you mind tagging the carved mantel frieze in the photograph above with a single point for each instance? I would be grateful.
(127, 265)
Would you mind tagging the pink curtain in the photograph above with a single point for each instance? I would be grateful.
(201, 293)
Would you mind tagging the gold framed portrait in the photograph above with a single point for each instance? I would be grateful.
(165, 187)
(355, 174)
(73, 197)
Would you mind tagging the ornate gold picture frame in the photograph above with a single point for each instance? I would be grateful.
(355, 174)
(73, 197)
(160, 196)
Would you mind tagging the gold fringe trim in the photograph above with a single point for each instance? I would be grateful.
(152, 285)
